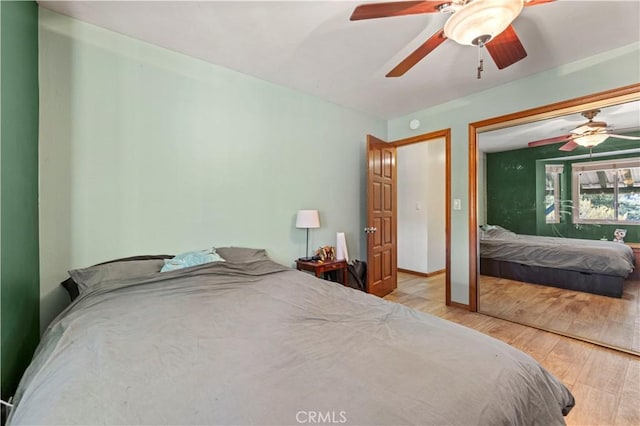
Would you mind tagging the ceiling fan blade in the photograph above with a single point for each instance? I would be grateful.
(396, 8)
(418, 54)
(631, 138)
(549, 141)
(528, 3)
(624, 129)
(569, 146)
(506, 49)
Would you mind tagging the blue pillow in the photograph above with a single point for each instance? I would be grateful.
(191, 258)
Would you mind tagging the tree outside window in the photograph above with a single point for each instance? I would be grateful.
(607, 191)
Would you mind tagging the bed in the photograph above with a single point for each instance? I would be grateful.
(249, 341)
(592, 266)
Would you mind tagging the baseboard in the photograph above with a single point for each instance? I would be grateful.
(459, 305)
(422, 274)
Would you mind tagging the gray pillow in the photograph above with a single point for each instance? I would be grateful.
(93, 275)
(241, 254)
(496, 232)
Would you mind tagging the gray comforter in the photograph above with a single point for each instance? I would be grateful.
(258, 343)
(593, 256)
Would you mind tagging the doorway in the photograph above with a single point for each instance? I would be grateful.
(421, 208)
(436, 146)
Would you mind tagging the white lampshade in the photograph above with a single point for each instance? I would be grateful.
(591, 140)
(481, 19)
(308, 219)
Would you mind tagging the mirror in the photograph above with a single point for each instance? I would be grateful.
(544, 206)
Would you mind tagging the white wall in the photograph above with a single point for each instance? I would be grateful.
(412, 212)
(436, 209)
(615, 68)
(421, 209)
(144, 150)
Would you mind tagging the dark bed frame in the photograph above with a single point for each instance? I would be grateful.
(606, 285)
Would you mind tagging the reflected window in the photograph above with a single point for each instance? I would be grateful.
(607, 191)
(552, 193)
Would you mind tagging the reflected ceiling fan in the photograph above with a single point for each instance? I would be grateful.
(482, 23)
(589, 134)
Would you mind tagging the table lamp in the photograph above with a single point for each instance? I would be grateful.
(307, 219)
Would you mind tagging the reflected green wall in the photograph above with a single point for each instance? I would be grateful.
(511, 189)
(19, 184)
(515, 190)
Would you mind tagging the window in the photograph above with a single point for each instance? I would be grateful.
(607, 191)
(552, 193)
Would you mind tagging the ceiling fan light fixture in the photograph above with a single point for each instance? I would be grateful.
(590, 141)
(590, 128)
(481, 20)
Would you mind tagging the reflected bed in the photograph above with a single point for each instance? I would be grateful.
(592, 266)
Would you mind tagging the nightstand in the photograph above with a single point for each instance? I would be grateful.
(320, 267)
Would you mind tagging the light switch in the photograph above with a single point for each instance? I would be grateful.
(457, 204)
(418, 205)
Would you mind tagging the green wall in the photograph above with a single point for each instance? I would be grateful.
(19, 185)
(515, 190)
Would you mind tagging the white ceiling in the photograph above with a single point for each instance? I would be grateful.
(311, 46)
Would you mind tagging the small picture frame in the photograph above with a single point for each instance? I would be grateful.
(326, 253)
(619, 234)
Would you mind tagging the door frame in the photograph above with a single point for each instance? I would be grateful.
(429, 137)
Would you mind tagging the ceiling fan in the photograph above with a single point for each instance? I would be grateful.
(589, 134)
(482, 23)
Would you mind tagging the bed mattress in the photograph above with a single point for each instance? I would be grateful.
(591, 256)
(259, 343)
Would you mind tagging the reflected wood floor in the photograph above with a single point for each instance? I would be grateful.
(605, 382)
(613, 321)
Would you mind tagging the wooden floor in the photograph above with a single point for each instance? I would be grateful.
(610, 320)
(605, 382)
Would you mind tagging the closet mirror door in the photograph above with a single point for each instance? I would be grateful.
(547, 197)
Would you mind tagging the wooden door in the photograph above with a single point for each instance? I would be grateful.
(381, 226)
